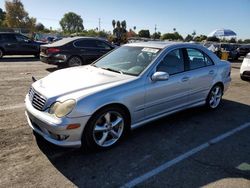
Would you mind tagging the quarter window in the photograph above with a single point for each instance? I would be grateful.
(198, 59)
(172, 63)
(103, 45)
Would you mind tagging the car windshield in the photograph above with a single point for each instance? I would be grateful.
(128, 60)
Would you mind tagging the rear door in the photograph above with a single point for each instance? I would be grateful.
(201, 72)
(86, 48)
(102, 47)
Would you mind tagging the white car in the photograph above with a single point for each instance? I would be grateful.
(245, 68)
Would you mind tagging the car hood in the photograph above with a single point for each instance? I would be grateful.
(84, 79)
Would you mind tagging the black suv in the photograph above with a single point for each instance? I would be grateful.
(17, 44)
(74, 51)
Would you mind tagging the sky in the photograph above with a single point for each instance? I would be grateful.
(203, 16)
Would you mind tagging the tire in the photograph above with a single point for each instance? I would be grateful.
(1, 53)
(105, 128)
(214, 97)
(74, 61)
(37, 56)
(244, 78)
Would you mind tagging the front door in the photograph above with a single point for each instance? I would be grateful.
(169, 95)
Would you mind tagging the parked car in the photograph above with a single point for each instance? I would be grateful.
(232, 49)
(244, 49)
(245, 68)
(95, 105)
(74, 51)
(17, 44)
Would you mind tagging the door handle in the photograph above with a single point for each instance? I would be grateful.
(184, 79)
(211, 72)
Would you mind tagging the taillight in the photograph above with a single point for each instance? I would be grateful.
(52, 50)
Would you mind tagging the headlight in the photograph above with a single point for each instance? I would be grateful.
(61, 109)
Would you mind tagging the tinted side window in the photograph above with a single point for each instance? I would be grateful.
(101, 44)
(85, 43)
(9, 37)
(196, 58)
(172, 63)
(21, 38)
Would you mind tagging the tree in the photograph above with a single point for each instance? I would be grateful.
(194, 33)
(213, 39)
(232, 40)
(144, 33)
(40, 27)
(71, 23)
(2, 17)
(247, 41)
(16, 16)
(119, 31)
(156, 35)
(200, 38)
(113, 23)
(171, 36)
(134, 28)
(174, 29)
(188, 38)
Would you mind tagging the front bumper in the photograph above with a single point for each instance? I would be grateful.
(54, 129)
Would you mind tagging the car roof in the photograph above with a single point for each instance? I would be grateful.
(161, 44)
(66, 40)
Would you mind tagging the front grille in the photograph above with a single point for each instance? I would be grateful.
(37, 100)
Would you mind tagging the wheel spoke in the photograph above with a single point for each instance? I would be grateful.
(114, 134)
(116, 122)
(107, 117)
(99, 128)
(103, 139)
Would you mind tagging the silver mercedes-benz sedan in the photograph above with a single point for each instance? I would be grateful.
(95, 105)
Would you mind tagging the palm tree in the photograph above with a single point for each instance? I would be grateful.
(118, 24)
(134, 28)
(174, 29)
(124, 24)
(113, 23)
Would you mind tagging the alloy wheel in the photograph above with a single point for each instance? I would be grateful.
(108, 129)
(215, 97)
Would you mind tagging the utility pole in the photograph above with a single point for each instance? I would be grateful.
(155, 31)
(99, 24)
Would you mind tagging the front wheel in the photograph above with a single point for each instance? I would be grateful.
(214, 97)
(105, 128)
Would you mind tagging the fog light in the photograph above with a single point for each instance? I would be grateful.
(73, 126)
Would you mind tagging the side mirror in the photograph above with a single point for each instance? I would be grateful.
(160, 76)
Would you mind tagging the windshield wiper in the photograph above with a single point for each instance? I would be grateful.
(113, 70)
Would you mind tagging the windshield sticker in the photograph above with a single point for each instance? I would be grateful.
(151, 50)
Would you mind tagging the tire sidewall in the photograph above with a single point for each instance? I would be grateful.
(1, 53)
(87, 136)
(72, 58)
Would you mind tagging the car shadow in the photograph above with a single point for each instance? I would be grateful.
(18, 59)
(147, 147)
(52, 69)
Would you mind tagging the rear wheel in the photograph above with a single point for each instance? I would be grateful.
(105, 128)
(1, 53)
(214, 97)
(74, 61)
